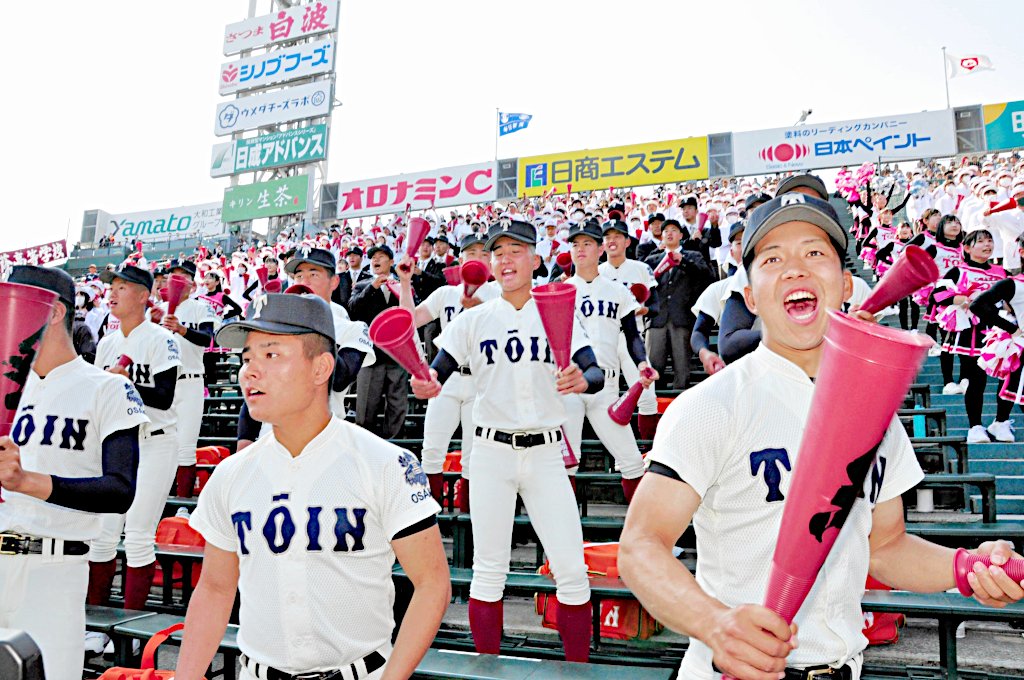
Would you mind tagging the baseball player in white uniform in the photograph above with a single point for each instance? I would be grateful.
(72, 454)
(724, 456)
(155, 359)
(518, 415)
(194, 320)
(620, 269)
(307, 522)
(455, 402)
(607, 312)
(314, 268)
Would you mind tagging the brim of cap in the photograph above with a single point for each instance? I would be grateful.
(593, 237)
(791, 183)
(294, 262)
(795, 212)
(232, 335)
(108, 277)
(489, 244)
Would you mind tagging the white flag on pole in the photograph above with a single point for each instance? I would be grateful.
(964, 66)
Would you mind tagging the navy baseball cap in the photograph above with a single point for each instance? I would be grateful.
(812, 182)
(616, 225)
(588, 228)
(656, 217)
(129, 273)
(318, 256)
(792, 208)
(471, 240)
(187, 266)
(736, 229)
(47, 278)
(355, 250)
(280, 314)
(754, 200)
(524, 232)
(380, 249)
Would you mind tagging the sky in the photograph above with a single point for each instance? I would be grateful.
(111, 105)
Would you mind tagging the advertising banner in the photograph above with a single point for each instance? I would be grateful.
(285, 196)
(850, 142)
(280, 66)
(38, 255)
(191, 221)
(1004, 125)
(271, 108)
(291, 147)
(297, 22)
(677, 160)
(438, 188)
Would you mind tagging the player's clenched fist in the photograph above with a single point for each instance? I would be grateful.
(570, 380)
(425, 389)
(11, 473)
(751, 642)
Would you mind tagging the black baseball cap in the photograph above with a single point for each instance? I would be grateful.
(187, 265)
(318, 256)
(736, 229)
(812, 182)
(792, 208)
(380, 249)
(47, 278)
(471, 240)
(754, 200)
(523, 232)
(442, 239)
(656, 217)
(616, 225)
(354, 250)
(129, 273)
(280, 314)
(588, 228)
(690, 201)
(672, 223)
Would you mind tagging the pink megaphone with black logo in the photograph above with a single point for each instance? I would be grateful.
(24, 313)
(177, 288)
(394, 331)
(913, 269)
(474, 274)
(452, 275)
(622, 410)
(556, 304)
(671, 259)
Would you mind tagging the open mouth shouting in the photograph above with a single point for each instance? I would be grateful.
(801, 305)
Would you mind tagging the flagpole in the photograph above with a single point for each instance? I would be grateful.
(497, 129)
(945, 73)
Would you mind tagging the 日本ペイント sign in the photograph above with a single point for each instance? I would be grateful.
(291, 147)
(301, 21)
(285, 196)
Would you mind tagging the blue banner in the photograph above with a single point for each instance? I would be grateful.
(512, 122)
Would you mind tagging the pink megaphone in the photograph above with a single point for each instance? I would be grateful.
(963, 564)
(474, 274)
(641, 292)
(622, 410)
(124, 361)
(913, 269)
(564, 261)
(263, 275)
(702, 219)
(177, 288)
(272, 286)
(395, 287)
(24, 313)
(394, 331)
(299, 289)
(670, 260)
(163, 293)
(556, 303)
(867, 368)
(418, 230)
(452, 275)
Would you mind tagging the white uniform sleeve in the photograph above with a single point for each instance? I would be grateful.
(355, 335)
(902, 471)
(580, 339)
(211, 518)
(456, 336)
(434, 303)
(649, 279)
(627, 302)
(165, 353)
(692, 439)
(708, 302)
(122, 409)
(405, 494)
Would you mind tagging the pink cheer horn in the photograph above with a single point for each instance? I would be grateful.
(452, 275)
(622, 410)
(394, 287)
(124, 361)
(556, 303)
(163, 293)
(394, 331)
(670, 260)
(299, 289)
(263, 275)
(702, 219)
(867, 368)
(474, 274)
(564, 261)
(177, 289)
(24, 314)
(912, 270)
(641, 292)
(963, 564)
(272, 286)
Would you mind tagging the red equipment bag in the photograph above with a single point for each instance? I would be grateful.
(882, 629)
(147, 671)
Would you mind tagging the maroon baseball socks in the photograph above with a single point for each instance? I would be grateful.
(573, 622)
(485, 623)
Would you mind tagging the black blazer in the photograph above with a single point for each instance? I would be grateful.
(678, 289)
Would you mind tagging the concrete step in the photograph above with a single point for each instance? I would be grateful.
(1005, 505)
(997, 450)
(1000, 467)
(1012, 485)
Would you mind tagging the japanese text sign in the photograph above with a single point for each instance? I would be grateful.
(271, 108)
(44, 254)
(291, 147)
(301, 21)
(279, 66)
(677, 160)
(849, 142)
(190, 221)
(1004, 125)
(285, 196)
(438, 188)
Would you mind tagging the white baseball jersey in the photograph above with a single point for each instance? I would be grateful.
(445, 302)
(601, 305)
(60, 426)
(191, 314)
(507, 351)
(628, 273)
(712, 300)
(313, 538)
(352, 334)
(152, 349)
(735, 438)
